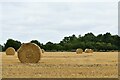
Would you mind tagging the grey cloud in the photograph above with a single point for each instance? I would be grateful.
(52, 21)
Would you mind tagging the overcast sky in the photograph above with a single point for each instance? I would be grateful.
(52, 21)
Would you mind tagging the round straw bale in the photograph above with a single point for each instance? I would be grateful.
(10, 51)
(43, 50)
(88, 51)
(29, 53)
(79, 51)
(91, 50)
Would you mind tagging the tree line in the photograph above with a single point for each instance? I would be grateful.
(101, 42)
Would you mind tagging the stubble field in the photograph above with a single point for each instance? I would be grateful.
(63, 65)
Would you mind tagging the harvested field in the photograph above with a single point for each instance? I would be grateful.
(63, 65)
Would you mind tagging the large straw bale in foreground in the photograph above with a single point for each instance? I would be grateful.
(79, 51)
(29, 53)
(88, 51)
(10, 51)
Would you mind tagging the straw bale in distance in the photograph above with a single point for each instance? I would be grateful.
(79, 51)
(29, 53)
(88, 51)
(10, 51)
(43, 50)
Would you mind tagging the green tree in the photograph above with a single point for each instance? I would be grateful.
(37, 42)
(49, 46)
(101, 42)
(89, 37)
(99, 38)
(1, 48)
(58, 47)
(109, 46)
(12, 43)
(90, 45)
(107, 38)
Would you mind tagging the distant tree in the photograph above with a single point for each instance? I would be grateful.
(73, 38)
(101, 42)
(66, 40)
(1, 48)
(107, 38)
(90, 45)
(12, 43)
(109, 46)
(49, 46)
(58, 47)
(36, 42)
(68, 47)
(116, 41)
(99, 38)
(89, 37)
